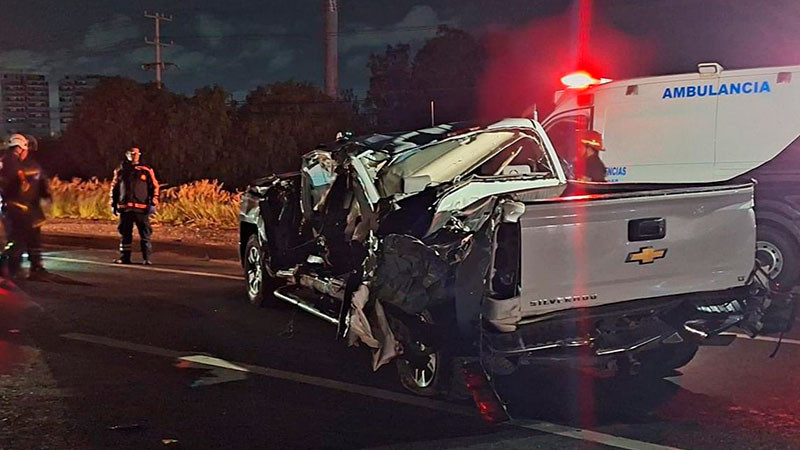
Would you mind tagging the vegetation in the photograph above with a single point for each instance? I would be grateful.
(202, 203)
(206, 136)
(446, 70)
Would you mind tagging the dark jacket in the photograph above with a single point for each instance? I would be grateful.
(590, 168)
(134, 188)
(23, 184)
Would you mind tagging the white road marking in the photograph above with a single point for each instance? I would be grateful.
(148, 268)
(763, 338)
(139, 348)
(544, 427)
(212, 361)
(591, 436)
(221, 371)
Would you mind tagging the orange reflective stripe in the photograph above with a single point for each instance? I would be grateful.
(156, 187)
(134, 205)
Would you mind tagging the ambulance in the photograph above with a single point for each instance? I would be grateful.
(709, 126)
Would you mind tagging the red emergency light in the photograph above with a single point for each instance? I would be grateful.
(581, 80)
(578, 80)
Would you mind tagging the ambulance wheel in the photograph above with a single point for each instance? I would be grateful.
(259, 284)
(780, 255)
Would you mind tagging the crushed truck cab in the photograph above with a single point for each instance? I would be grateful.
(462, 242)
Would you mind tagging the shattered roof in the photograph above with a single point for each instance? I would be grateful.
(394, 143)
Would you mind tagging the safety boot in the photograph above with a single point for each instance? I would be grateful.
(123, 259)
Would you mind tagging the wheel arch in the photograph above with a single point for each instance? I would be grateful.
(780, 216)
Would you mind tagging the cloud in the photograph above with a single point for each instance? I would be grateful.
(33, 61)
(190, 60)
(258, 49)
(419, 23)
(357, 62)
(212, 28)
(277, 56)
(23, 60)
(103, 35)
(140, 55)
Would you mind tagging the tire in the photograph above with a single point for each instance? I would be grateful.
(662, 361)
(431, 379)
(260, 285)
(780, 253)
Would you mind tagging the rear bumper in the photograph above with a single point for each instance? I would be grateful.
(618, 328)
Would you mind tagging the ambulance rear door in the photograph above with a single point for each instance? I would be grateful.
(758, 117)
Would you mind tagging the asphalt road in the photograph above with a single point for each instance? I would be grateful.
(172, 356)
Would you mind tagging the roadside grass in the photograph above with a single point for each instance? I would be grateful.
(202, 203)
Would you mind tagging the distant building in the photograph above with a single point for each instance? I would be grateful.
(25, 104)
(71, 91)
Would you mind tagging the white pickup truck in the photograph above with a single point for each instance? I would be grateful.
(458, 241)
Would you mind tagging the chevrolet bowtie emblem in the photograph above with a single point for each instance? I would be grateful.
(646, 255)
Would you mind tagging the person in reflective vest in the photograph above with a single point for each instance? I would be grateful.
(23, 186)
(134, 197)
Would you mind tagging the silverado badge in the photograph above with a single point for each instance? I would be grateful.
(646, 255)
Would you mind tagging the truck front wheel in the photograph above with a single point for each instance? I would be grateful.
(778, 252)
(259, 284)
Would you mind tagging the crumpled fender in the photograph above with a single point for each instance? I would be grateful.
(410, 275)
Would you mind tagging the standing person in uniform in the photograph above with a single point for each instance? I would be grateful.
(23, 186)
(588, 165)
(134, 196)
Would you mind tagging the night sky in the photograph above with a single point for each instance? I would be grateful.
(240, 44)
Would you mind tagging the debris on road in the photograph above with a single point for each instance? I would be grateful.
(125, 427)
(219, 370)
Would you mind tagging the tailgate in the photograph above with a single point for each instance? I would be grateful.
(601, 249)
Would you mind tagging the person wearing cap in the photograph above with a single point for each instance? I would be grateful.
(588, 165)
(134, 196)
(23, 186)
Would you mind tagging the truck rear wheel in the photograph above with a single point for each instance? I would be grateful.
(423, 376)
(432, 372)
(779, 253)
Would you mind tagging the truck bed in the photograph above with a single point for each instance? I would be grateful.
(607, 247)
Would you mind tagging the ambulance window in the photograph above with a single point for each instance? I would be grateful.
(562, 134)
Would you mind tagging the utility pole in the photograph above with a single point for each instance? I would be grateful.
(331, 11)
(158, 64)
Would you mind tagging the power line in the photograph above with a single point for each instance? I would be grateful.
(305, 35)
(59, 37)
(158, 64)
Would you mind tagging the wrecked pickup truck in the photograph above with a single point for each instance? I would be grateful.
(464, 242)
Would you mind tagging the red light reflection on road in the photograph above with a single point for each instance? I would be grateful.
(13, 303)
